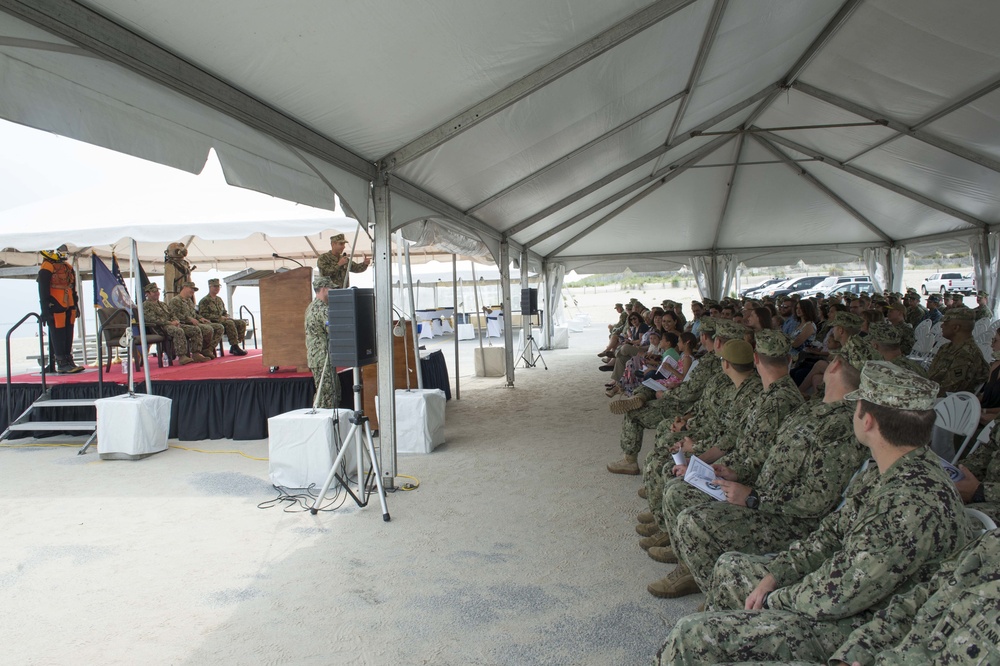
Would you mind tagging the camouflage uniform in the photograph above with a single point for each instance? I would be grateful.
(915, 314)
(859, 351)
(157, 314)
(812, 459)
(198, 335)
(951, 619)
(675, 403)
(959, 367)
(906, 338)
(984, 463)
(892, 533)
(909, 364)
(213, 309)
(318, 354)
(983, 312)
(720, 408)
(328, 264)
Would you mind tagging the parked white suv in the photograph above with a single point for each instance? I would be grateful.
(942, 282)
(831, 283)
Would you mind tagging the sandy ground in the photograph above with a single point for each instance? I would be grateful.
(517, 548)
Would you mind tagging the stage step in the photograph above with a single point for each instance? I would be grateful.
(57, 426)
(23, 424)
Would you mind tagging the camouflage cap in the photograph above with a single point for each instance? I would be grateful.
(619, 305)
(958, 296)
(912, 294)
(152, 286)
(668, 304)
(847, 320)
(982, 293)
(884, 333)
(898, 306)
(322, 281)
(737, 351)
(730, 329)
(959, 314)
(889, 385)
(189, 284)
(214, 282)
(772, 343)
(933, 298)
(338, 238)
(707, 325)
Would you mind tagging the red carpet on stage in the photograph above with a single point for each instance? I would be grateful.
(226, 367)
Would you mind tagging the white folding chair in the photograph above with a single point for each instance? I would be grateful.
(957, 413)
(922, 339)
(987, 522)
(984, 436)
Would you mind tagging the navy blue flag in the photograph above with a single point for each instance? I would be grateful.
(109, 291)
(143, 280)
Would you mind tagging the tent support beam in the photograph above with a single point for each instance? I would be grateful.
(541, 77)
(574, 153)
(635, 164)
(955, 106)
(674, 171)
(751, 130)
(729, 191)
(812, 180)
(382, 258)
(702, 152)
(508, 314)
(707, 40)
(876, 180)
(94, 32)
(824, 37)
(900, 128)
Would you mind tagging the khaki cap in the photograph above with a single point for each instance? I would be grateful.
(737, 351)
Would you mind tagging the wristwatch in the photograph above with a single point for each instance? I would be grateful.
(752, 501)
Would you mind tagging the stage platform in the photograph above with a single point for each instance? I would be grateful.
(226, 398)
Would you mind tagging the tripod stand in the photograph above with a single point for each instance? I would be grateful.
(360, 430)
(532, 353)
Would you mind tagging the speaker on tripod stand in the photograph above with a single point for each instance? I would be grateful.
(531, 353)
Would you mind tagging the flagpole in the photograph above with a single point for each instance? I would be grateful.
(140, 298)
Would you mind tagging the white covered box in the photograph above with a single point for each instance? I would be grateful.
(130, 427)
(301, 448)
(560, 337)
(419, 420)
(490, 362)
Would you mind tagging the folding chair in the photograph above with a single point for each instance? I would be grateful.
(957, 413)
(984, 436)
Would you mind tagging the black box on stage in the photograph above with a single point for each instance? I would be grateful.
(351, 325)
(529, 302)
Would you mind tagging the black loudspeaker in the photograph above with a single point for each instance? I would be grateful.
(529, 302)
(351, 324)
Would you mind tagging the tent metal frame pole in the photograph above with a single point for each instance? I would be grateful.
(140, 307)
(382, 258)
(671, 171)
(508, 324)
(454, 305)
(876, 180)
(900, 128)
(525, 320)
(83, 323)
(574, 153)
(636, 163)
(833, 196)
(544, 75)
(728, 194)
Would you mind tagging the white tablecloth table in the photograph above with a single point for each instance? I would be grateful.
(301, 449)
(419, 420)
(132, 427)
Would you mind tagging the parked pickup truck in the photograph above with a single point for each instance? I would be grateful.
(942, 282)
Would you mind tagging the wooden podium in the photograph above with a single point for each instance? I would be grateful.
(369, 373)
(284, 298)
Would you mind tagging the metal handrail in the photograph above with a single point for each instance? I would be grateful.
(253, 322)
(41, 355)
(100, 344)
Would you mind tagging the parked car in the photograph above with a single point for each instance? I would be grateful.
(751, 291)
(796, 284)
(942, 282)
(853, 288)
(830, 283)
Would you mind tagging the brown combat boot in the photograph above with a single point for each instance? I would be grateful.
(679, 583)
(198, 358)
(642, 492)
(645, 516)
(647, 529)
(627, 405)
(628, 465)
(184, 360)
(663, 554)
(658, 539)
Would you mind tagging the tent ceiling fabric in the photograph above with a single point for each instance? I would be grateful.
(844, 124)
